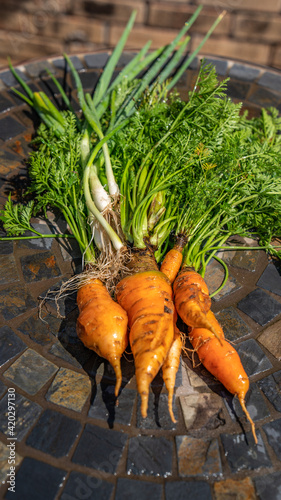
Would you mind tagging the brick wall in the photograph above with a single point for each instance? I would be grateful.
(32, 29)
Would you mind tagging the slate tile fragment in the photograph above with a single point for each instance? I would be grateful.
(9, 128)
(270, 80)
(36, 480)
(264, 97)
(6, 247)
(255, 404)
(252, 357)
(89, 80)
(54, 433)
(37, 243)
(260, 306)
(273, 434)
(5, 103)
(237, 90)
(271, 279)
(4, 464)
(10, 344)
(150, 456)
(270, 339)
(39, 266)
(8, 270)
(80, 486)
(268, 486)
(271, 387)
(30, 371)
(193, 490)
(242, 489)
(61, 63)
(138, 490)
(243, 72)
(158, 416)
(69, 389)
(15, 300)
(100, 448)
(214, 277)
(242, 452)
(8, 78)
(202, 411)
(104, 405)
(232, 324)
(58, 350)
(41, 332)
(98, 60)
(243, 259)
(198, 457)
(27, 413)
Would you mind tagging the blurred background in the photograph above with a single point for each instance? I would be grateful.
(35, 29)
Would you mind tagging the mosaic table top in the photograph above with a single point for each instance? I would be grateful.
(70, 440)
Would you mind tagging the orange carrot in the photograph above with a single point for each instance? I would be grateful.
(222, 360)
(147, 298)
(192, 300)
(171, 366)
(102, 325)
(173, 259)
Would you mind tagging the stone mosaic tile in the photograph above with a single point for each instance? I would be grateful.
(271, 279)
(39, 266)
(9, 161)
(220, 65)
(96, 60)
(10, 345)
(104, 405)
(264, 98)
(63, 305)
(232, 324)
(242, 489)
(243, 259)
(6, 247)
(36, 480)
(41, 332)
(127, 489)
(100, 448)
(69, 389)
(4, 465)
(38, 243)
(15, 300)
(89, 80)
(27, 413)
(5, 103)
(243, 72)
(54, 433)
(79, 486)
(271, 387)
(237, 90)
(273, 434)
(260, 306)
(193, 490)
(38, 68)
(202, 411)
(214, 277)
(149, 455)
(30, 371)
(255, 404)
(252, 357)
(242, 452)
(60, 63)
(268, 486)
(8, 78)
(8, 270)
(9, 128)
(125, 58)
(59, 351)
(270, 80)
(207, 463)
(22, 146)
(158, 416)
(270, 339)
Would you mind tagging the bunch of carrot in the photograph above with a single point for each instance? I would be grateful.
(142, 169)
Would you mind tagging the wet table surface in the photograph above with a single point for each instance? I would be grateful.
(70, 440)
